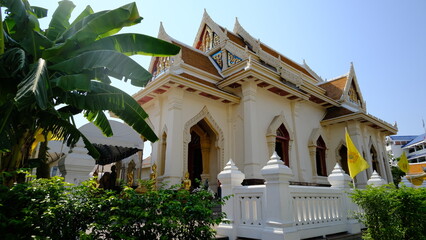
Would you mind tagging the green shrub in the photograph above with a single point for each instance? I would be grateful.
(50, 208)
(392, 213)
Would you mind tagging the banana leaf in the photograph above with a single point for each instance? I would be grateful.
(92, 28)
(86, 12)
(62, 129)
(22, 25)
(118, 64)
(34, 87)
(132, 114)
(39, 11)
(99, 119)
(94, 100)
(131, 44)
(73, 82)
(60, 20)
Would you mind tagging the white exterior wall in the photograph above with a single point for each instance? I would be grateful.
(174, 110)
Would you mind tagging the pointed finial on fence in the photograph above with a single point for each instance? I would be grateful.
(338, 178)
(376, 180)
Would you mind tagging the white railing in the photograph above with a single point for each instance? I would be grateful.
(278, 210)
(250, 202)
(317, 205)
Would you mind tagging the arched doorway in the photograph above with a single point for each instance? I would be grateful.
(195, 161)
(203, 164)
(343, 154)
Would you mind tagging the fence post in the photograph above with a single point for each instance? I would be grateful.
(229, 178)
(376, 180)
(279, 222)
(340, 180)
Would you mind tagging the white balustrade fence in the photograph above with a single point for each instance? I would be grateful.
(278, 210)
(317, 205)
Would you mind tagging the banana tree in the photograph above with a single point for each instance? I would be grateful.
(48, 76)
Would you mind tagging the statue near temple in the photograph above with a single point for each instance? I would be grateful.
(130, 173)
(187, 182)
(153, 176)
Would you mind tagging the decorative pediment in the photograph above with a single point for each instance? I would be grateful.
(210, 35)
(208, 39)
(352, 93)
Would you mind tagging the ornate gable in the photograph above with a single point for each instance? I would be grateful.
(352, 93)
(208, 40)
(210, 35)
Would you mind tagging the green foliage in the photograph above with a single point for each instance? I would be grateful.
(48, 76)
(397, 173)
(392, 213)
(50, 208)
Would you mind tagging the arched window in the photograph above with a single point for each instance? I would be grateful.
(282, 144)
(320, 157)
(374, 160)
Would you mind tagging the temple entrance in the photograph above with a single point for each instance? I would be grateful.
(195, 160)
(343, 153)
(202, 156)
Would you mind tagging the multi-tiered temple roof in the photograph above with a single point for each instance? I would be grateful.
(221, 60)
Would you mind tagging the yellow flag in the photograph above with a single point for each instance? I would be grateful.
(403, 162)
(39, 137)
(356, 163)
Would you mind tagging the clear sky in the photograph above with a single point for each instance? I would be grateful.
(385, 40)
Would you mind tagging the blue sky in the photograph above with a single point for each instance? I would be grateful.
(385, 40)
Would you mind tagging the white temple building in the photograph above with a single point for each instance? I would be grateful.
(230, 96)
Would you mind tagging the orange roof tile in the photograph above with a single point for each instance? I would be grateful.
(334, 89)
(197, 59)
(236, 39)
(285, 59)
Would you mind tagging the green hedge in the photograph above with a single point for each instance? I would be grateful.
(391, 213)
(50, 208)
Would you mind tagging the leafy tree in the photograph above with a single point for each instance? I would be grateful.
(392, 213)
(48, 76)
(51, 209)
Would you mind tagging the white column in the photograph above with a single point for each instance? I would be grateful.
(230, 177)
(251, 128)
(354, 132)
(299, 170)
(279, 222)
(174, 152)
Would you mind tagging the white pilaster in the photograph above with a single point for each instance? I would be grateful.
(354, 132)
(251, 128)
(174, 152)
